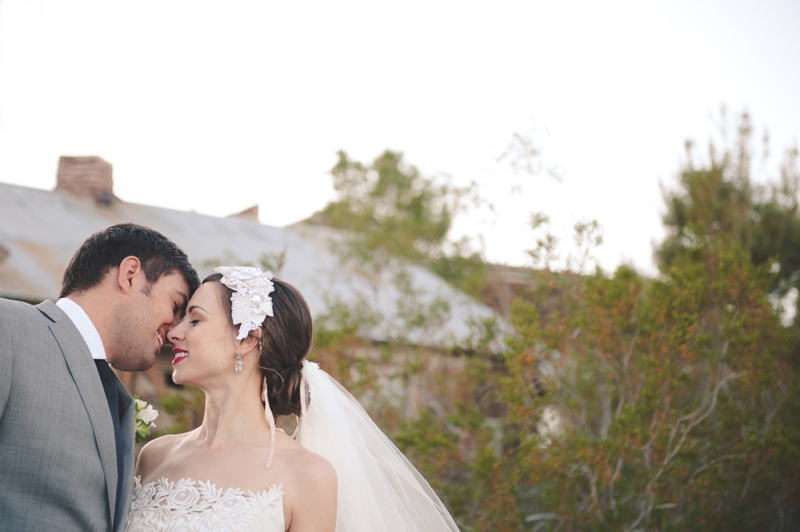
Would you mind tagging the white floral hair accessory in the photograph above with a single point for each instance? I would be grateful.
(250, 301)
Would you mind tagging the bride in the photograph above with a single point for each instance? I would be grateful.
(244, 341)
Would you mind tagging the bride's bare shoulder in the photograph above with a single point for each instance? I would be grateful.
(311, 494)
(311, 468)
(154, 451)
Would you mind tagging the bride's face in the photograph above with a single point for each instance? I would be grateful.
(205, 340)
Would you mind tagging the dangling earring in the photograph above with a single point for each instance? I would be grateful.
(238, 367)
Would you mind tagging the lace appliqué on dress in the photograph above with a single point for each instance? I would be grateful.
(188, 504)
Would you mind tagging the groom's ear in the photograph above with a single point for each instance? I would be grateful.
(130, 269)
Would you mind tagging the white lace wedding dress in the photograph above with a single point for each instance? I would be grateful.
(186, 504)
(379, 490)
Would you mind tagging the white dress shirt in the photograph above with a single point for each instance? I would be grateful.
(85, 327)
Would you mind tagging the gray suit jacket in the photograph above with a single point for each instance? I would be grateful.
(58, 468)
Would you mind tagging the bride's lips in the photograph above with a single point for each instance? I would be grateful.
(180, 354)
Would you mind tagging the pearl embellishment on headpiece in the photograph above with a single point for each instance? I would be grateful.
(250, 301)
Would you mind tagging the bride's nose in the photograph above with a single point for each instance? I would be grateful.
(176, 333)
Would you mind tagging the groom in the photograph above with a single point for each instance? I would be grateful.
(66, 422)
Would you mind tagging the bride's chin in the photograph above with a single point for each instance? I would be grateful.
(182, 379)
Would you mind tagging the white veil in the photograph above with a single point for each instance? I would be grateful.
(379, 489)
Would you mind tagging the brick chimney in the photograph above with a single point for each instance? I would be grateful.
(89, 177)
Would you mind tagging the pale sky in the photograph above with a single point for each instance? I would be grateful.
(216, 106)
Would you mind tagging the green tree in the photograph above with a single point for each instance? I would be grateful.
(671, 397)
(718, 201)
(390, 209)
(626, 403)
(623, 403)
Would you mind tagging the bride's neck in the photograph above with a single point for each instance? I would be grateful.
(233, 416)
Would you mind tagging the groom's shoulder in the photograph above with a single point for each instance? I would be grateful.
(10, 307)
(20, 316)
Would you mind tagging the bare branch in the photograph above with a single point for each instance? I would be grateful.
(614, 477)
(711, 463)
(593, 485)
(694, 418)
(684, 424)
(655, 424)
(647, 507)
(767, 424)
(616, 376)
(625, 363)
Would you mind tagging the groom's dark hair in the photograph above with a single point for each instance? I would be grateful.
(103, 251)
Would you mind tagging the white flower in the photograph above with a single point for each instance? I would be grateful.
(145, 415)
(250, 302)
(149, 414)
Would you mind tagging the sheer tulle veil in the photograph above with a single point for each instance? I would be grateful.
(379, 489)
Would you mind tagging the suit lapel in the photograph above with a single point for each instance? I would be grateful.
(87, 381)
(128, 428)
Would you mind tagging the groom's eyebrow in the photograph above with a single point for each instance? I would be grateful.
(181, 309)
(183, 296)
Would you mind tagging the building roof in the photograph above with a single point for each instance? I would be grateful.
(40, 230)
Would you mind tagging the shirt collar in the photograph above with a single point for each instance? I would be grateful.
(85, 327)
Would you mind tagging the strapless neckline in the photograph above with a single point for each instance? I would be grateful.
(187, 504)
(207, 484)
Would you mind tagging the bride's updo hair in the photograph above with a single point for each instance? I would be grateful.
(285, 341)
